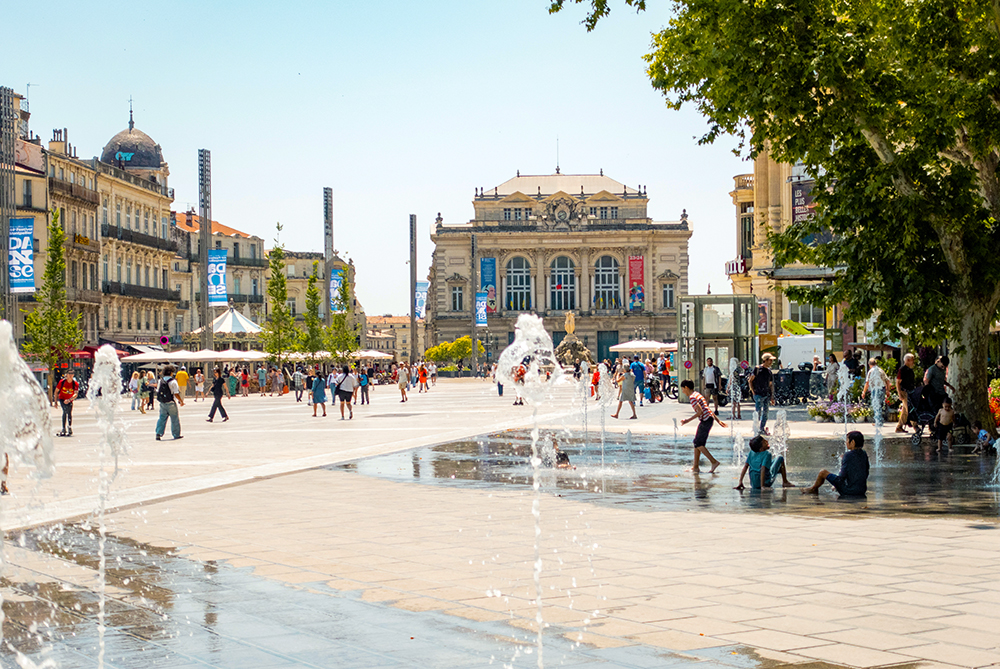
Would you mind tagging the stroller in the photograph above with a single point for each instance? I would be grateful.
(922, 412)
(653, 385)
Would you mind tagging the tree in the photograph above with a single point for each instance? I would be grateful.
(279, 333)
(461, 348)
(52, 330)
(439, 353)
(311, 339)
(341, 337)
(894, 108)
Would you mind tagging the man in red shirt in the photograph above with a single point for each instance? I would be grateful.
(66, 392)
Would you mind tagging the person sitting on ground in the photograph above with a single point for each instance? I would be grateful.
(763, 467)
(852, 481)
(944, 422)
(983, 440)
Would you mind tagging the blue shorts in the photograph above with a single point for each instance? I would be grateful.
(836, 482)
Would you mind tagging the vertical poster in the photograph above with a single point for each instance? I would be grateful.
(217, 296)
(420, 299)
(20, 258)
(336, 280)
(481, 301)
(763, 317)
(488, 282)
(636, 289)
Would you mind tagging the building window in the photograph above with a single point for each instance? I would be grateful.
(290, 271)
(614, 212)
(593, 212)
(105, 268)
(527, 213)
(456, 298)
(147, 276)
(236, 286)
(156, 320)
(156, 280)
(129, 315)
(806, 314)
(218, 244)
(145, 221)
(104, 214)
(506, 214)
(128, 271)
(668, 296)
(253, 251)
(164, 234)
(26, 193)
(236, 250)
(563, 284)
(291, 307)
(128, 217)
(164, 276)
(107, 317)
(118, 214)
(604, 213)
(518, 284)
(165, 326)
(62, 174)
(93, 277)
(72, 274)
(517, 214)
(607, 284)
(746, 234)
(147, 319)
(253, 285)
(118, 277)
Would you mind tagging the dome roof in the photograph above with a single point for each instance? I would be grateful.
(133, 148)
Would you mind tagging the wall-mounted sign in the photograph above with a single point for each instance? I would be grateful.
(738, 266)
(763, 317)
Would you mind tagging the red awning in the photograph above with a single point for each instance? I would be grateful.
(87, 355)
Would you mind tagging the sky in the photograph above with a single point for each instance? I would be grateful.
(401, 107)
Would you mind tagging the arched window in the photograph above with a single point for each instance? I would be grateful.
(607, 284)
(518, 284)
(563, 285)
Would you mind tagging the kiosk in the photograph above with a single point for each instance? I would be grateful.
(718, 327)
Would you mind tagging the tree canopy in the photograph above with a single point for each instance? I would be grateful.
(311, 338)
(278, 333)
(342, 337)
(894, 107)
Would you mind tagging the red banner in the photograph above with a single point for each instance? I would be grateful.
(636, 287)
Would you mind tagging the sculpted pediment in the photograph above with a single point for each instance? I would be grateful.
(604, 196)
(517, 197)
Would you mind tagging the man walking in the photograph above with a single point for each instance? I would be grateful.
(168, 394)
(639, 372)
(299, 381)
(218, 389)
(182, 381)
(713, 381)
(762, 386)
(66, 391)
(905, 384)
(935, 382)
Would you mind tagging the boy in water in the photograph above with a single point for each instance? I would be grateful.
(763, 467)
(944, 421)
(852, 481)
(705, 419)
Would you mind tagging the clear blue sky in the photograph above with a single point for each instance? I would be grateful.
(401, 107)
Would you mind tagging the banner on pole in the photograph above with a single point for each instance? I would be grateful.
(488, 282)
(481, 310)
(420, 299)
(217, 296)
(636, 287)
(336, 281)
(21, 259)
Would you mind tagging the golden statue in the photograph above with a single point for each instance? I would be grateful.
(570, 322)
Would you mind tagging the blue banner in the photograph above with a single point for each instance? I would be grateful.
(20, 258)
(217, 296)
(420, 299)
(488, 282)
(481, 310)
(336, 280)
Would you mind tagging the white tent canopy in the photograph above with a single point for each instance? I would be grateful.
(643, 346)
(204, 355)
(232, 322)
(370, 354)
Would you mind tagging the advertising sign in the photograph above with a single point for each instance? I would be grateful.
(336, 280)
(763, 317)
(481, 309)
(21, 255)
(420, 299)
(636, 289)
(29, 154)
(488, 282)
(217, 296)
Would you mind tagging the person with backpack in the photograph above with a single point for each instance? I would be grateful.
(66, 391)
(168, 394)
(762, 385)
(363, 382)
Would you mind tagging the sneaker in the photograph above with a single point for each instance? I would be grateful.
(178, 437)
(70, 434)
(158, 437)
(208, 420)
(225, 419)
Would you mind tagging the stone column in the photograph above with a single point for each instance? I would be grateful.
(585, 291)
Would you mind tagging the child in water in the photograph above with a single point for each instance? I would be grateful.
(763, 467)
(944, 421)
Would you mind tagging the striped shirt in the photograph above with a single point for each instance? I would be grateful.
(698, 400)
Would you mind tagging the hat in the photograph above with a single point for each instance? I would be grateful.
(767, 356)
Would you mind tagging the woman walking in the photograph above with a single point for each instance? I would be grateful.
(403, 380)
(218, 389)
(234, 382)
(148, 392)
(626, 381)
(277, 381)
(346, 383)
(133, 389)
(245, 382)
(319, 393)
(830, 374)
(199, 385)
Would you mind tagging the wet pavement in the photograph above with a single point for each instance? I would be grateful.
(651, 473)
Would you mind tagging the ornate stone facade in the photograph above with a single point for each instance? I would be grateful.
(560, 243)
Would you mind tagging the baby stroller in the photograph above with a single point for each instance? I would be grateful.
(653, 385)
(922, 412)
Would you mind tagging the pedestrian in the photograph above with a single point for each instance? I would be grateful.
(262, 380)
(853, 478)
(595, 381)
(875, 378)
(639, 372)
(944, 422)
(935, 382)
(850, 362)
(705, 419)
(310, 377)
(133, 389)
(298, 380)
(219, 389)
(66, 391)
(905, 384)
(403, 380)
(422, 377)
(277, 381)
(626, 391)
(345, 385)
(245, 382)
(762, 386)
(363, 383)
(830, 374)
(199, 385)
(182, 381)
(712, 376)
(149, 389)
(319, 393)
(168, 394)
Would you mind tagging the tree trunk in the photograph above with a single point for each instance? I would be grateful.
(968, 371)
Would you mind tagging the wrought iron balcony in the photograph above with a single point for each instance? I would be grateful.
(143, 292)
(115, 232)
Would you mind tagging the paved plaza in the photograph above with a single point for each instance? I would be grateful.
(244, 545)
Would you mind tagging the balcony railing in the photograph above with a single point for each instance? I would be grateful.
(242, 261)
(82, 295)
(743, 181)
(113, 171)
(144, 292)
(114, 232)
(78, 191)
(238, 298)
(82, 243)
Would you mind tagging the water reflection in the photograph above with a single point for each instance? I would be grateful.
(650, 473)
